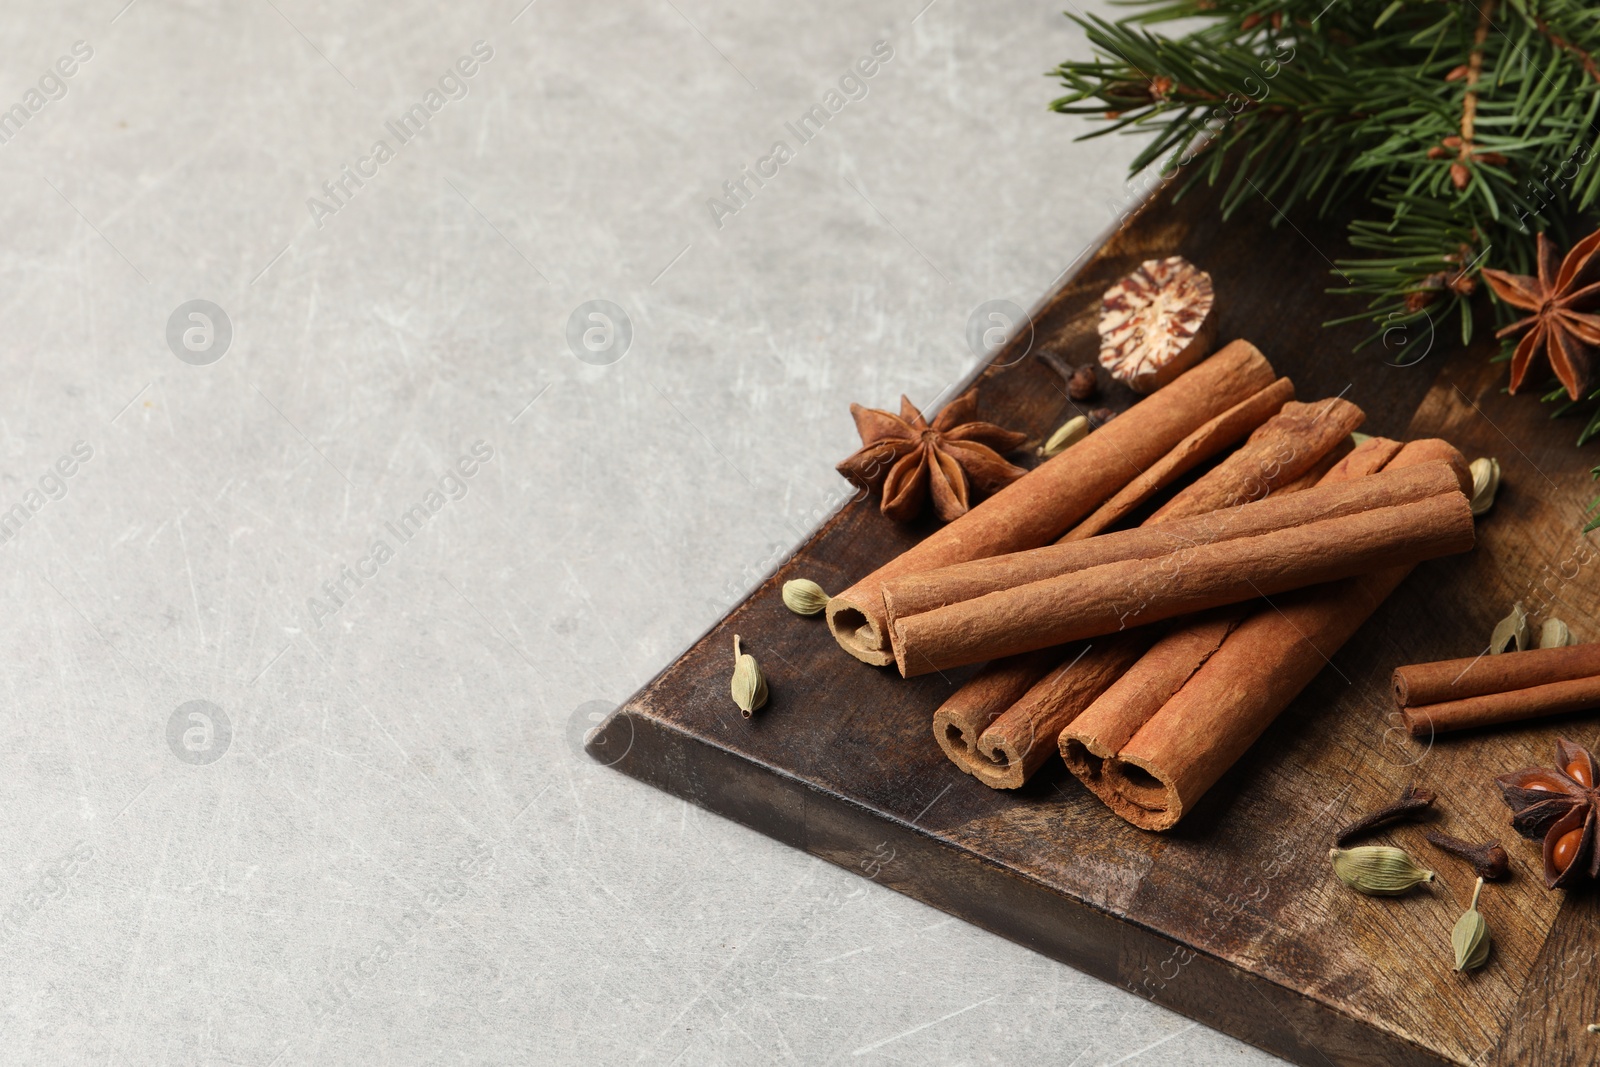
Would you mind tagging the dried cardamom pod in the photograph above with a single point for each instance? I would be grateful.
(1470, 938)
(749, 684)
(1511, 633)
(1378, 870)
(804, 597)
(1071, 432)
(1554, 634)
(1485, 483)
(1358, 439)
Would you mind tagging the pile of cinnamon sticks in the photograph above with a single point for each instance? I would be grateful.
(1147, 656)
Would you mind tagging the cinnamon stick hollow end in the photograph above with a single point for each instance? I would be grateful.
(971, 709)
(1043, 504)
(1135, 791)
(859, 631)
(1130, 701)
(1019, 741)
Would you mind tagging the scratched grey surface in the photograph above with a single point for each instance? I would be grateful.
(374, 840)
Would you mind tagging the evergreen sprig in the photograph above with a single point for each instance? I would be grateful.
(1458, 129)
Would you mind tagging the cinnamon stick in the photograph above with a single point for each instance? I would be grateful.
(1288, 445)
(971, 709)
(920, 593)
(1457, 679)
(1039, 507)
(1133, 700)
(1193, 577)
(1489, 690)
(1174, 754)
(1208, 441)
(1019, 741)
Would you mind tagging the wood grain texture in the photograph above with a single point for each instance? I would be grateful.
(1233, 917)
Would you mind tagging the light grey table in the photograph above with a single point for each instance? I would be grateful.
(292, 702)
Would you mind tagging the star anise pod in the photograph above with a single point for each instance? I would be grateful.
(910, 460)
(1560, 806)
(1562, 299)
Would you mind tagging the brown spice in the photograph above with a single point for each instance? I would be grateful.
(1413, 804)
(1563, 300)
(1157, 322)
(911, 459)
(1561, 806)
(1162, 577)
(1082, 385)
(1488, 860)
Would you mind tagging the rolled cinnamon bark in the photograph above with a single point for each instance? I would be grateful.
(1208, 441)
(1188, 577)
(1024, 736)
(1492, 709)
(1231, 697)
(1133, 699)
(1286, 446)
(1039, 507)
(1457, 679)
(1489, 690)
(920, 593)
(973, 707)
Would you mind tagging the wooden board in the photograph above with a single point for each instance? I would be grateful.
(1233, 918)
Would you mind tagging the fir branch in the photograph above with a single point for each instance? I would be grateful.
(1460, 136)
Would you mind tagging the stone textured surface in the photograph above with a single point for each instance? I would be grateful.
(378, 842)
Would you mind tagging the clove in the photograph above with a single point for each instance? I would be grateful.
(1413, 804)
(1082, 385)
(1057, 364)
(1488, 860)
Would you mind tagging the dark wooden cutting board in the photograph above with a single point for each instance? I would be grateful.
(1233, 918)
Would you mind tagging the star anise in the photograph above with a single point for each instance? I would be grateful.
(1560, 806)
(1562, 300)
(910, 460)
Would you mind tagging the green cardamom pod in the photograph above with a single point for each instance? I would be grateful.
(1071, 432)
(1554, 634)
(1378, 870)
(1511, 633)
(749, 684)
(804, 597)
(1485, 483)
(1359, 439)
(1470, 938)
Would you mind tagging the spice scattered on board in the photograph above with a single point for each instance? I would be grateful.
(1511, 634)
(1067, 434)
(1414, 803)
(1157, 322)
(749, 685)
(804, 597)
(1470, 938)
(1378, 870)
(1560, 807)
(910, 459)
(1485, 484)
